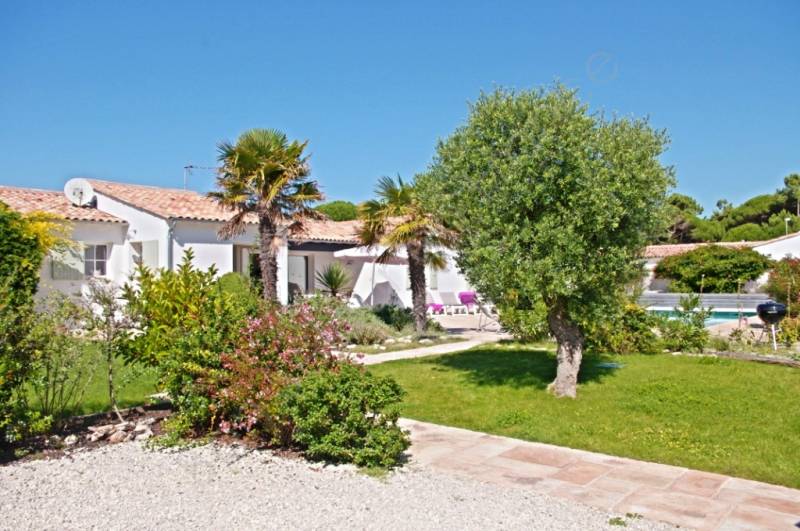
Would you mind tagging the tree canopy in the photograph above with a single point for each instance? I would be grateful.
(339, 210)
(552, 203)
(712, 269)
(266, 175)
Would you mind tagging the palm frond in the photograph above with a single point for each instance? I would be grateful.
(234, 226)
(436, 260)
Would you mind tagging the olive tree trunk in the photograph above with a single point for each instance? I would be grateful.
(416, 274)
(267, 231)
(570, 351)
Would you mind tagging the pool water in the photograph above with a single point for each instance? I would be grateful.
(715, 318)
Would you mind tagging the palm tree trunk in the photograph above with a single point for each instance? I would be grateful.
(416, 273)
(267, 259)
(570, 351)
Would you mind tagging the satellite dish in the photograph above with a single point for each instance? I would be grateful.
(79, 192)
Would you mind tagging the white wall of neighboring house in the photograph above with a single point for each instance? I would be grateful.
(781, 247)
(392, 284)
(142, 227)
(64, 271)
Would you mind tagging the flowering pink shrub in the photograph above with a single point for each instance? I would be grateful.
(274, 351)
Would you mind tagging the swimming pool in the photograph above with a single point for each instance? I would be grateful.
(715, 318)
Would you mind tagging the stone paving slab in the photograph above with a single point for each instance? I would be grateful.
(676, 495)
(474, 339)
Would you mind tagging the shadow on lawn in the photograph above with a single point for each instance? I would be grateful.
(522, 367)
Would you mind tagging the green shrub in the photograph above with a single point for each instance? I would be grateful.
(712, 269)
(784, 284)
(186, 322)
(21, 255)
(273, 351)
(346, 415)
(686, 332)
(394, 316)
(64, 366)
(241, 290)
(789, 331)
(361, 325)
(630, 331)
(525, 324)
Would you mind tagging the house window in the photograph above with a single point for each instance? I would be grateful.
(94, 260)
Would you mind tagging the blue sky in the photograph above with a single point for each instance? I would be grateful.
(135, 92)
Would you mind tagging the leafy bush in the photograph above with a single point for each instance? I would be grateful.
(21, 255)
(186, 322)
(64, 369)
(686, 332)
(17, 357)
(361, 326)
(241, 290)
(630, 331)
(346, 415)
(712, 269)
(394, 316)
(272, 352)
(339, 210)
(525, 324)
(784, 283)
(789, 331)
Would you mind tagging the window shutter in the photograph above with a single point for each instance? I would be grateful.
(67, 265)
(433, 278)
(150, 254)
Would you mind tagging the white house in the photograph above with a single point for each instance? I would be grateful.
(776, 248)
(121, 225)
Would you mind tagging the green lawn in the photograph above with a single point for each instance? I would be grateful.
(733, 417)
(133, 385)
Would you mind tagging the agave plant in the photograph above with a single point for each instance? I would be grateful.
(334, 279)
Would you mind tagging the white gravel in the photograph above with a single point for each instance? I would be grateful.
(128, 487)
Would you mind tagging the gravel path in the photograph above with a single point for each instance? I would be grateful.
(127, 487)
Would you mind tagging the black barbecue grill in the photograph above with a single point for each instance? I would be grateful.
(771, 312)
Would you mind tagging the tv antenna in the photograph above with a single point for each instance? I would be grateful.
(187, 170)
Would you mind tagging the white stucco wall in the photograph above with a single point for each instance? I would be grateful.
(142, 226)
(781, 248)
(112, 235)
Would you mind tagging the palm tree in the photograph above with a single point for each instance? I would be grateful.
(397, 219)
(266, 176)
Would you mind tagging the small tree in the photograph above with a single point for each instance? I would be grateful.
(111, 325)
(24, 242)
(553, 204)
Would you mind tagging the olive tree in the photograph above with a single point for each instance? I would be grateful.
(553, 205)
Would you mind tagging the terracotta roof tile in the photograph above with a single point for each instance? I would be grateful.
(330, 231)
(28, 200)
(164, 202)
(190, 205)
(663, 251)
